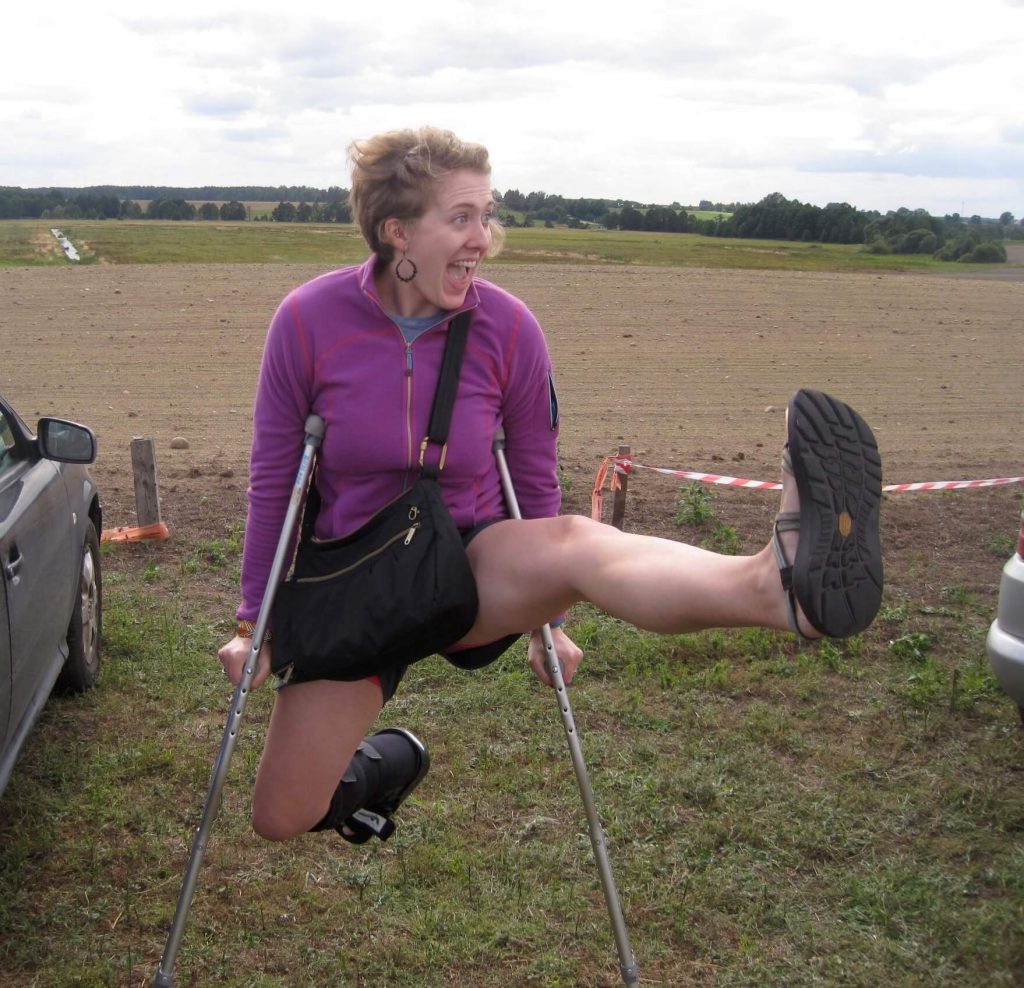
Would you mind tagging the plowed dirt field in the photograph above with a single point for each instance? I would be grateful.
(691, 367)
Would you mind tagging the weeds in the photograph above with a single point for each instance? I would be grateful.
(723, 539)
(1001, 545)
(696, 508)
(768, 808)
(893, 614)
(910, 647)
(696, 505)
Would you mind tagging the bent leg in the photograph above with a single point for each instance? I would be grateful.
(314, 731)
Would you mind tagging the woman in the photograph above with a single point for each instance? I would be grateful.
(362, 347)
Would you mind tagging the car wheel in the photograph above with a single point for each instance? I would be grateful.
(83, 662)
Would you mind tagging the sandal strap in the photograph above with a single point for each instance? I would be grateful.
(787, 521)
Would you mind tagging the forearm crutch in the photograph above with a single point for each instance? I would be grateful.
(164, 977)
(627, 964)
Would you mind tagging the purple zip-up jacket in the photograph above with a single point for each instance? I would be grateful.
(331, 349)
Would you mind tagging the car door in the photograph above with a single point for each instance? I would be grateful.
(5, 668)
(7, 458)
(38, 567)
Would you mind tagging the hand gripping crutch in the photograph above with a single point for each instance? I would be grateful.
(627, 964)
(164, 977)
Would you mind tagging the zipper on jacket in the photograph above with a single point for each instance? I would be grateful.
(410, 442)
(406, 534)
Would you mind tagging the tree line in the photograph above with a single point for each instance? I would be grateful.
(901, 231)
(166, 203)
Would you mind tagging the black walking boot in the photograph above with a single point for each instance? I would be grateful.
(385, 769)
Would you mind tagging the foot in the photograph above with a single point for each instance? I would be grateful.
(401, 761)
(826, 537)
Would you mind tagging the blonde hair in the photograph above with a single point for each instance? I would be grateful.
(396, 173)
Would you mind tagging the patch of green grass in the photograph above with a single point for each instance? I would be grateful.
(1001, 544)
(910, 647)
(894, 613)
(776, 813)
(250, 242)
(24, 242)
(724, 539)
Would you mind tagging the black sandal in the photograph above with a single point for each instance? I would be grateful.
(836, 577)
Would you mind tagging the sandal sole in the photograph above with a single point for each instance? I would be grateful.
(837, 572)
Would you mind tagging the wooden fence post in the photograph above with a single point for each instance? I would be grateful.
(147, 496)
(619, 504)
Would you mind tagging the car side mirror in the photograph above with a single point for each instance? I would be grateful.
(66, 442)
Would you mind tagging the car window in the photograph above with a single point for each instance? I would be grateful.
(8, 451)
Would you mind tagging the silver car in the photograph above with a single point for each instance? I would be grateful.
(50, 587)
(1005, 641)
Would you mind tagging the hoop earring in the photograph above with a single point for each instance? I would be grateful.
(398, 269)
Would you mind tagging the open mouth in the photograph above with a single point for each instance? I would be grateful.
(461, 271)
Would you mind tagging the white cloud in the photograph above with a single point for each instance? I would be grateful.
(885, 104)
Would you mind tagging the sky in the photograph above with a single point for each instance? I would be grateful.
(881, 104)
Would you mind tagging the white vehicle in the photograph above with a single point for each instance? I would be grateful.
(1005, 643)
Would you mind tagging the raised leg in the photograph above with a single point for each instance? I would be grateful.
(528, 571)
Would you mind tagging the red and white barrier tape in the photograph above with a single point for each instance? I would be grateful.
(954, 485)
(623, 466)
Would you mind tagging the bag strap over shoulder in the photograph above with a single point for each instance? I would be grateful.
(440, 416)
(444, 397)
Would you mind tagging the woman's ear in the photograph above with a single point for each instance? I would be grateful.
(394, 233)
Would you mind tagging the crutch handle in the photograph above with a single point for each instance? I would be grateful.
(314, 430)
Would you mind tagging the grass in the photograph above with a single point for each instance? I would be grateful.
(153, 242)
(846, 813)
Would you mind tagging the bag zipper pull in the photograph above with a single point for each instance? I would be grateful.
(412, 532)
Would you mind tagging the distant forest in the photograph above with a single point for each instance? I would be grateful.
(902, 231)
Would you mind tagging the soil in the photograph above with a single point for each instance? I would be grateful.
(690, 367)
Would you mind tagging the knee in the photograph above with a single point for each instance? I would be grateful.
(575, 529)
(581, 541)
(275, 822)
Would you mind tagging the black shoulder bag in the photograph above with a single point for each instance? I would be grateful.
(397, 589)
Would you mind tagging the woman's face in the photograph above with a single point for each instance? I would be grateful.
(447, 243)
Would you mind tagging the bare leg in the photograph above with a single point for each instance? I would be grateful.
(529, 571)
(315, 729)
(828, 568)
